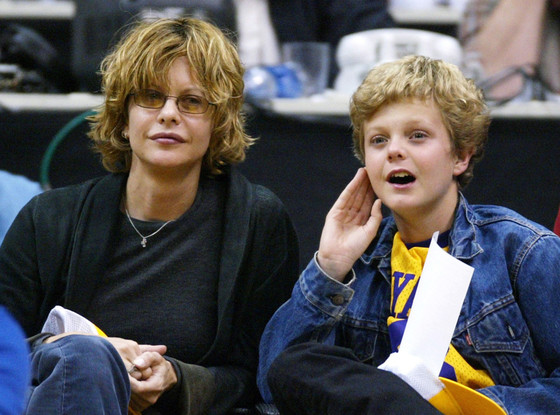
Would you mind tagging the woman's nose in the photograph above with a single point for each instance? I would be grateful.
(169, 111)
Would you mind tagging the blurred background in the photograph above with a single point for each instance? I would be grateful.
(50, 51)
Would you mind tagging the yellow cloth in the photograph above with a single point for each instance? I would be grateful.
(457, 399)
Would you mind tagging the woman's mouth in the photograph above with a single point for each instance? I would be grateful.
(167, 137)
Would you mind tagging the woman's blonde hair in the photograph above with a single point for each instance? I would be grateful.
(462, 106)
(142, 59)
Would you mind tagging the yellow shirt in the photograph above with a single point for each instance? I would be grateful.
(406, 266)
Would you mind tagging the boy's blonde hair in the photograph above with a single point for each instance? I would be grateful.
(463, 109)
(142, 60)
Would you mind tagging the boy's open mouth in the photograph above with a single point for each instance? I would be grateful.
(401, 178)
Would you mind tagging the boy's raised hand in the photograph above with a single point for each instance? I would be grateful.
(350, 226)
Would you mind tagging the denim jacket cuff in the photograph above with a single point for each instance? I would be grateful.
(324, 292)
(348, 279)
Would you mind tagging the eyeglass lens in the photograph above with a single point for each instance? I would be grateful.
(191, 104)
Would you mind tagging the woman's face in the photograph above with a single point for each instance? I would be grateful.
(165, 139)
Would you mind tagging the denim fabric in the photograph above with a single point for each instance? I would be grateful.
(508, 324)
(78, 374)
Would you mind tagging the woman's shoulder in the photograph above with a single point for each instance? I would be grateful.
(257, 195)
(66, 199)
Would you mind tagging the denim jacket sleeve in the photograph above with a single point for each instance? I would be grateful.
(316, 305)
(536, 283)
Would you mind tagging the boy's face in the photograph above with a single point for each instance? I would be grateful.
(410, 160)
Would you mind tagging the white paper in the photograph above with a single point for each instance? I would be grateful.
(436, 307)
(61, 320)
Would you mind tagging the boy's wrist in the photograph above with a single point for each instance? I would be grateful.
(332, 269)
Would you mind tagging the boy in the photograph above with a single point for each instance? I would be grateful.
(419, 128)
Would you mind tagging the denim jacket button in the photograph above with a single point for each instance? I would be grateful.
(337, 299)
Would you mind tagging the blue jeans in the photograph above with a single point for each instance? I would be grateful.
(78, 375)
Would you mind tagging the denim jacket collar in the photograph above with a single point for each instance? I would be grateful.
(462, 238)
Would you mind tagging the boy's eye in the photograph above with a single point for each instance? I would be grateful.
(377, 140)
(418, 135)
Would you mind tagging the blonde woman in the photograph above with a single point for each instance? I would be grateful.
(174, 255)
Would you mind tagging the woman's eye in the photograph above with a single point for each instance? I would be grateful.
(153, 95)
(191, 100)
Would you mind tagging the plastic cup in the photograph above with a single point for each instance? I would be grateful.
(311, 61)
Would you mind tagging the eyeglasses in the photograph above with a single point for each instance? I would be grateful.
(188, 104)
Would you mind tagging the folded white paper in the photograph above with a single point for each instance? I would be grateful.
(436, 307)
(61, 320)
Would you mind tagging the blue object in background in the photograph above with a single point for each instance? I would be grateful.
(15, 191)
(287, 80)
(14, 366)
(277, 81)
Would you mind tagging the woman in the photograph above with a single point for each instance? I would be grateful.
(175, 256)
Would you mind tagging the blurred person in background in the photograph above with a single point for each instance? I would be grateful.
(263, 26)
(513, 47)
(15, 192)
(260, 26)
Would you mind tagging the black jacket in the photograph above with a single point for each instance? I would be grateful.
(61, 241)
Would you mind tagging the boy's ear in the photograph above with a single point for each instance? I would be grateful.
(461, 163)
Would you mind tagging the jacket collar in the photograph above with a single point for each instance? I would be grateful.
(92, 239)
(234, 244)
(462, 238)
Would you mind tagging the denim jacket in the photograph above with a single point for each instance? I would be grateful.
(509, 323)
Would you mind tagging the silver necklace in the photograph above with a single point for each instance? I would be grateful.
(144, 238)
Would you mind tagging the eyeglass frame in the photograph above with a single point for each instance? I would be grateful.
(177, 98)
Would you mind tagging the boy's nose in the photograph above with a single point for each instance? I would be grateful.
(395, 149)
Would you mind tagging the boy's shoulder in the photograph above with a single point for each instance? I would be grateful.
(486, 215)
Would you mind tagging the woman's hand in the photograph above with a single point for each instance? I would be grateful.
(147, 390)
(149, 372)
(351, 225)
(129, 350)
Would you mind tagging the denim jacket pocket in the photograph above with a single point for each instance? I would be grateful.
(499, 341)
(368, 341)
